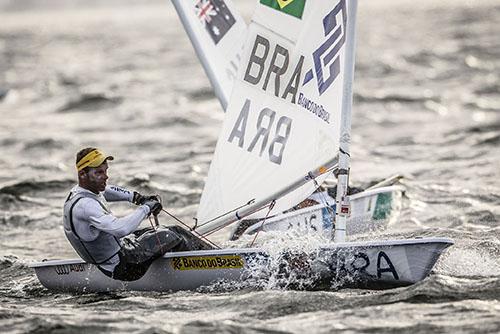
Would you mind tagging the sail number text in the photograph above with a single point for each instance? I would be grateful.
(267, 126)
(279, 68)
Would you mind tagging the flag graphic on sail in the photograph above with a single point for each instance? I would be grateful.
(291, 7)
(276, 127)
(218, 53)
(215, 17)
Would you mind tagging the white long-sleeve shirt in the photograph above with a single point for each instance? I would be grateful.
(90, 217)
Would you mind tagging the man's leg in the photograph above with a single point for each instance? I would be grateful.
(156, 243)
(138, 253)
(191, 241)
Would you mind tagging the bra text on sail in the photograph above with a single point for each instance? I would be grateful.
(273, 73)
(265, 124)
(278, 68)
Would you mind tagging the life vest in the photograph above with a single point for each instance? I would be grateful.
(97, 251)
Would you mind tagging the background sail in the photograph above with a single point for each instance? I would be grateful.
(217, 32)
(283, 118)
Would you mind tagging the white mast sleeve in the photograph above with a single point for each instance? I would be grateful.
(342, 200)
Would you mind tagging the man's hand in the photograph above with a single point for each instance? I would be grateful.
(139, 199)
(154, 205)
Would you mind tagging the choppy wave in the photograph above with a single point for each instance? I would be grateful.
(30, 187)
(488, 89)
(45, 144)
(202, 94)
(3, 93)
(171, 121)
(16, 278)
(15, 220)
(90, 103)
(387, 97)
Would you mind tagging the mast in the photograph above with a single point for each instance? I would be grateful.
(205, 62)
(342, 200)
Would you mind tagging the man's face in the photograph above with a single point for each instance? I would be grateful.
(95, 178)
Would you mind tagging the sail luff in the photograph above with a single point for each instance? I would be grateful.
(205, 62)
(237, 215)
(343, 208)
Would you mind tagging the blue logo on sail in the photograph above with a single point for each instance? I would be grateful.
(326, 57)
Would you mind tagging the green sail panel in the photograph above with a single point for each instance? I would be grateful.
(290, 7)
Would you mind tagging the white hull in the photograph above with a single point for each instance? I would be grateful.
(370, 210)
(380, 264)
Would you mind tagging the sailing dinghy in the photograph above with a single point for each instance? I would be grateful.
(220, 55)
(383, 264)
(287, 122)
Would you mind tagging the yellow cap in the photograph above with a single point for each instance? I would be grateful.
(93, 159)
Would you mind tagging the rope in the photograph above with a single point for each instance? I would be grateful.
(325, 200)
(271, 206)
(155, 227)
(204, 236)
(311, 176)
(179, 221)
(192, 231)
(158, 241)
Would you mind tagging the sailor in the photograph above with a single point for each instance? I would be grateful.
(113, 244)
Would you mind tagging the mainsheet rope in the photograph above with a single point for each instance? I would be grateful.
(332, 168)
(156, 224)
(270, 206)
(155, 228)
(201, 236)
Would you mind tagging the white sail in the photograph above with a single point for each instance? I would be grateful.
(217, 32)
(283, 118)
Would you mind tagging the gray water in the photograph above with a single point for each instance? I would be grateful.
(121, 75)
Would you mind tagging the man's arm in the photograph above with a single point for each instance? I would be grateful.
(104, 221)
(118, 194)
